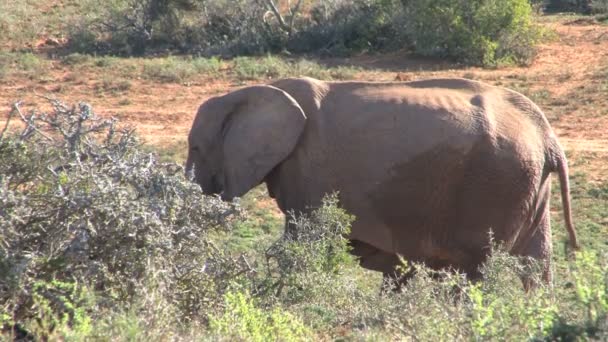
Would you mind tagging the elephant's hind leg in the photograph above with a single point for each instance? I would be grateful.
(539, 245)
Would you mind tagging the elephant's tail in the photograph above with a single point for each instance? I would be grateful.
(561, 167)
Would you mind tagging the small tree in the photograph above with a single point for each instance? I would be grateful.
(475, 32)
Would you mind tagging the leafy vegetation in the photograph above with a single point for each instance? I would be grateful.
(599, 6)
(478, 32)
(26, 64)
(581, 6)
(101, 240)
(475, 32)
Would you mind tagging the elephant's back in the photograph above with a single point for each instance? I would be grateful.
(427, 167)
(419, 165)
(402, 122)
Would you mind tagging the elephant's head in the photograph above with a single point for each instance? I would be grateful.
(238, 138)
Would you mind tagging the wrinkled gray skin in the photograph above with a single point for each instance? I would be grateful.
(427, 167)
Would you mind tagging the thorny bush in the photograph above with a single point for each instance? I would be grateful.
(79, 202)
(315, 247)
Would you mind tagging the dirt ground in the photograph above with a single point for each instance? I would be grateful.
(568, 79)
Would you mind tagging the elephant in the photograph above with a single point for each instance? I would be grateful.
(428, 167)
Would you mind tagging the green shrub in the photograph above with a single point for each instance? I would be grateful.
(569, 5)
(26, 64)
(242, 320)
(485, 32)
(578, 6)
(477, 32)
(63, 308)
(84, 39)
(591, 285)
(313, 250)
(344, 27)
(14, 29)
(133, 27)
(599, 6)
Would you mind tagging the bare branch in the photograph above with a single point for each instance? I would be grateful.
(277, 14)
(293, 12)
(8, 121)
(30, 124)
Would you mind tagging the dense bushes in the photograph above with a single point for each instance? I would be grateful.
(599, 6)
(344, 27)
(569, 5)
(477, 32)
(134, 27)
(580, 6)
(101, 214)
(99, 240)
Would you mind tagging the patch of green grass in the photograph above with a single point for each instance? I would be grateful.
(206, 65)
(113, 85)
(590, 215)
(28, 62)
(248, 68)
(124, 102)
(261, 226)
(76, 59)
(21, 22)
(179, 70)
(540, 96)
(175, 152)
(272, 67)
(308, 68)
(13, 28)
(522, 87)
(23, 63)
(106, 61)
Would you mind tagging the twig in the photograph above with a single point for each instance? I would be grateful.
(293, 12)
(8, 120)
(31, 126)
(277, 14)
(246, 262)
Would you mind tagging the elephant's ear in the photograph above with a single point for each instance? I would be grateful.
(260, 132)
